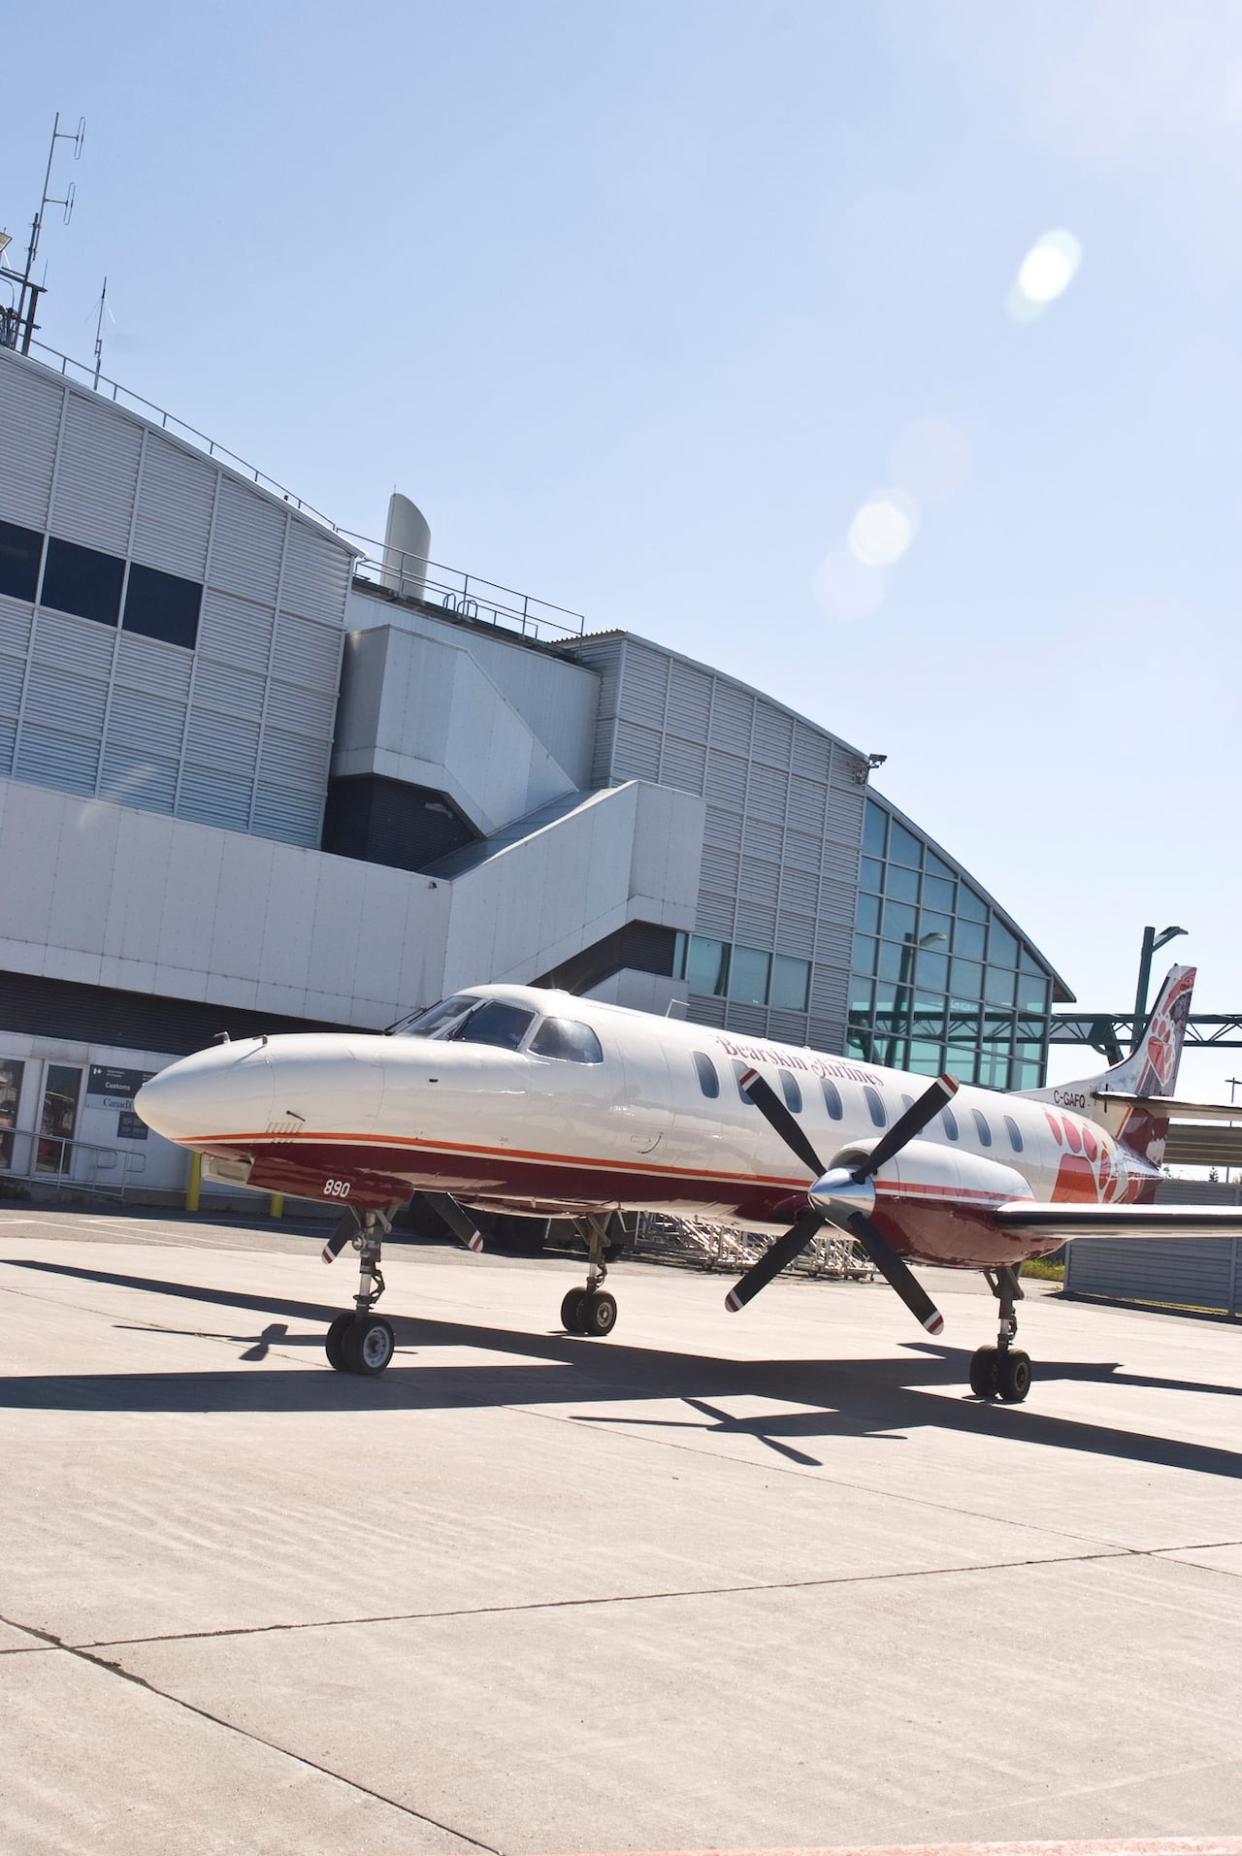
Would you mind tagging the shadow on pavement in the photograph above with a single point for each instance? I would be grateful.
(883, 1398)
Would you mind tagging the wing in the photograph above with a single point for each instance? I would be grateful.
(1031, 1217)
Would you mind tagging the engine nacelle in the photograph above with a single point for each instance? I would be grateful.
(934, 1203)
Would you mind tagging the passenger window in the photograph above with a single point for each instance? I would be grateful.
(982, 1128)
(875, 1108)
(1015, 1134)
(907, 1101)
(740, 1070)
(567, 1039)
(950, 1123)
(496, 1023)
(709, 1082)
(832, 1100)
(791, 1092)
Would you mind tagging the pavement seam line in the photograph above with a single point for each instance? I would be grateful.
(83, 1654)
(611, 1598)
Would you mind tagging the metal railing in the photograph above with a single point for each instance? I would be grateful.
(48, 1160)
(698, 1243)
(468, 595)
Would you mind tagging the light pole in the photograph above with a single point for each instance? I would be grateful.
(1152, 942)
(1234, 1082)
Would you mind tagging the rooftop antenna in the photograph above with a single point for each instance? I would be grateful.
(28, 301)
(103, 299)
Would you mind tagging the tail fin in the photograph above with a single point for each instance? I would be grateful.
(1149, 1070)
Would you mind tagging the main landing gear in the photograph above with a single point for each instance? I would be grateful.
(1003, 1371)
(591, 1312)
(360, 1341)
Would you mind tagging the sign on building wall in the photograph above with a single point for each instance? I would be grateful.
(115, 1088)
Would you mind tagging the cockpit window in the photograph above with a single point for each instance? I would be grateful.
(496, 1023)
(435, 1021)
(566, 1038)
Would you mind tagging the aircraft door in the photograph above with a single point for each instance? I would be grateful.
(643, 1106)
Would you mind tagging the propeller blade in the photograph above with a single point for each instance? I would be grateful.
(898, 1274)
(458, 1220)
(345, 1230)
(910, 1124)
(778, 1116)
(773, 1261)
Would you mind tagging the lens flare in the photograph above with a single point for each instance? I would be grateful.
(845, 589)
(883, 528)
(1045, 273)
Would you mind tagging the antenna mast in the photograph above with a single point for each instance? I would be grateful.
(103, 299)
(28, 299)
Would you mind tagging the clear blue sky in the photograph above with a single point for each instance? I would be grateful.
(636, 301)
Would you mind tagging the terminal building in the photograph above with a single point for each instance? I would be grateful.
(258, 775)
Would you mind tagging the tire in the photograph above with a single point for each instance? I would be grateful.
(1013, 1380)
(334, 1339)
(571, 1311)
(368, 1345)
(599, 1314)
(983, 1372)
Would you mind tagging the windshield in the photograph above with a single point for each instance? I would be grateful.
(494, 1023)
(435, 1021)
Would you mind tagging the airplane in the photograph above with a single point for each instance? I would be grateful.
(520, 1099)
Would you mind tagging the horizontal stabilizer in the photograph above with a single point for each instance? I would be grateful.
(1173, 1108)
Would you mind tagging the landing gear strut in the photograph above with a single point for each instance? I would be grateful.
(591, 1312)
(360, 1341)
(1003, 1371)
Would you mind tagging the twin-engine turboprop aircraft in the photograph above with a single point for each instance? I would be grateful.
(516, 1099)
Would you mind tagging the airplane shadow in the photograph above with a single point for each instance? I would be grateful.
(884, 1399)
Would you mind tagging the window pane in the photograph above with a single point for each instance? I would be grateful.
(20, 549)
(926, 1057)
(861, 992)
(903, 846)
(874, 829)
(899, 920)
(875, 1108)
(937, 894)
(871, 873)
(858, 1044)
(950, 1121)
(791, 980)
(705, 965)
(496, 1023)
(82, 581)
(11, 1069)
(932, 923)
(902, 884)
(968, 940)
(1032, 992)
(981, 1128)
(999, 987)
(1025, 1075)
(863, 955)
(432, 1021)
(791, 1092)
(932, 970)
(1015, 1134)
(162, 606)
(970, 904)
(832, 1099)
(709, 1082)
(1002, 946)
(567, 1039)
(895, 961)
(748, 976)
(867, 917)
(966, 980)
(936, 866)
(681, 941)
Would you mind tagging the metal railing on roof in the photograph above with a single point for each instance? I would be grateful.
(467, 595)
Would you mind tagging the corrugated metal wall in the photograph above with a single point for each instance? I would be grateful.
(237, 732)
(1192, 1275)
(784, 819)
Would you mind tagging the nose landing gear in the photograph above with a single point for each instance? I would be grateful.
(360, 1341)
(591, 1312)
(1003, 1371)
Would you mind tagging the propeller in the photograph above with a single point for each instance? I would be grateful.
(458, 1220)
(346, 1229)
(843, 1196)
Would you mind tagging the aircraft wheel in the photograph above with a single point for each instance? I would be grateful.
(571, 1311)
(333, 1341)
(368, 1345)
(598, 1316)
(1013, 1380)
(983, 1372)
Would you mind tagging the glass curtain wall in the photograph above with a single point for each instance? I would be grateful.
(938, 980)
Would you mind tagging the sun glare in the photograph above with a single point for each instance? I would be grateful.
(1044, 274)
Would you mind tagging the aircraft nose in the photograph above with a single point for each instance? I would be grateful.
(214, 1092)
